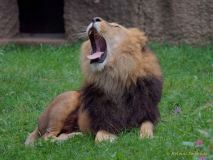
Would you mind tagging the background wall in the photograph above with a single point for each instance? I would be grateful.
(189, 21)
(9, 22)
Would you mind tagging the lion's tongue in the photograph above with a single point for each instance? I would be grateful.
(95, 55)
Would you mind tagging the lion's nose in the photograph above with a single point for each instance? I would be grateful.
(96, 19)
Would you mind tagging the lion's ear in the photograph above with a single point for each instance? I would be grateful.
(139, 36)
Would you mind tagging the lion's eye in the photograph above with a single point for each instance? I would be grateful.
(116, 26)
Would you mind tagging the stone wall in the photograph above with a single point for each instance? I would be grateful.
(9, 22)
(162, 20)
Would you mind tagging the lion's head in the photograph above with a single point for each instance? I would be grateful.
(114, 54)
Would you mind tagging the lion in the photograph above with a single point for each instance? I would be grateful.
(121, 90)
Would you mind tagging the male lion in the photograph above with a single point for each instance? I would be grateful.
(122, 88)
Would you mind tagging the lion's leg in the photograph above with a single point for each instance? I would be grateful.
(64, 136)
(146, 130)
(32, 137)
(62, 108)
(84, 121)
(104, 136)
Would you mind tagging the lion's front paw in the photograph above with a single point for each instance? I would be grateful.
(104, 136)
(146, 130)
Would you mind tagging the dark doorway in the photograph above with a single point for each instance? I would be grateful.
(41, 16)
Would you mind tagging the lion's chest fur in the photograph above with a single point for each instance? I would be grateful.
(130, 108)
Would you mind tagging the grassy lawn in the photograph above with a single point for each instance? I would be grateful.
(30, 76)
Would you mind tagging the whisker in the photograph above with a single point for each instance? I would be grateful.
(83, 28)
(80, 35)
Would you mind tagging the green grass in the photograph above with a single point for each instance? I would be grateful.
(30, 76)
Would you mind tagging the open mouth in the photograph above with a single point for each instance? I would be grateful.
(99, 47)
